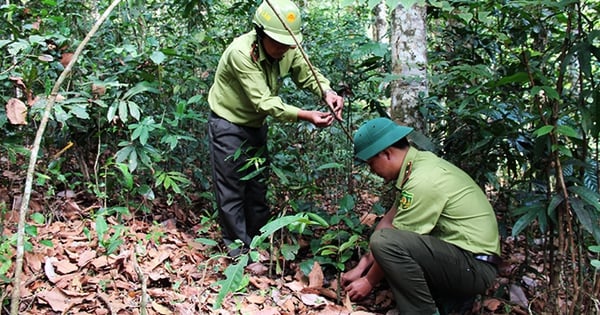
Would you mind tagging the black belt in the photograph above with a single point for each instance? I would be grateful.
(492, 259)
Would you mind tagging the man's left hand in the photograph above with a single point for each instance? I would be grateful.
(335, 102)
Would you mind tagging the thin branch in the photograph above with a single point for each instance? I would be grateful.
(16, 293)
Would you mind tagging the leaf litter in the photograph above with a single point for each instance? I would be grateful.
(76, 275)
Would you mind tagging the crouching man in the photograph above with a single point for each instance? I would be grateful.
(439, 243)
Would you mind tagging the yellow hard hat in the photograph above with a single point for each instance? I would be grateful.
(266, 18)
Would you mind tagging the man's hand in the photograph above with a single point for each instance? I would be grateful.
(334, 101)
(359, 289)
(351, 276)
(317, 118)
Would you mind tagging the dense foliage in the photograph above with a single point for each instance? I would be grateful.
(514, 100)
(515, 103)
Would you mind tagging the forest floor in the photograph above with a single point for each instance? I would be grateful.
(67, 271)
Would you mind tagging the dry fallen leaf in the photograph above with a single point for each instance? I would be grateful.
(58, 300)
(315, 277)
(66, 58)
(161, 309)
(261, 283)
(65, 267)
(517, 296)
(45, 58)
(257, 269)
(313, 299)
(492, 304)
(368, 219)
(49, 269)
(16, 111)
(295, 286)
(86, 257)
(255, 299)
(267, 310)
(332, 309)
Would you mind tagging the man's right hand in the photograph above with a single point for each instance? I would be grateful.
(317, 118)
(359, 289)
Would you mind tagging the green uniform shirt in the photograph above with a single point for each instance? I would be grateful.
(246, 83)
(443, 201)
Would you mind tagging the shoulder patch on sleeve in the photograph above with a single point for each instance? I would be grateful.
(406, 199)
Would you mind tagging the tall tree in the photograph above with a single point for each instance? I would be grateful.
(380, 25)
(409, 62)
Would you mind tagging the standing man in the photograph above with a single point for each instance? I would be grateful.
(243, 94)
(439, 242)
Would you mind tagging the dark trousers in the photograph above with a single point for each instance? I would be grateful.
(241, 204)
(425, 272)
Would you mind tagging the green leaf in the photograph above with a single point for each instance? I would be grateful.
(124, 153)
(594, 249)
(113, 245)
(80, 111)
(317, 219)
(127, 177)
(289, 251)
(281, 175)
(134, 110)
(347, 3)
(31, 230)
(253, 174)
(373, 3)
(4, 42)
(587, 217)
(118, 210)
(347, 203)
(101, 227)
(112, 111)
(5, 265)
(590, 197)
(466, 16)
(526, 220)
(18, 46)
(551, 92)
(330, 166)
(567, 131)
(141, 87)
(158, 57)
(47, 243)
(38, 218)
(556, 200)
(206, 241)
(275, 225)
(584, 57)
(234, 275)
(195, 99)
(544, 130)
(133, 160)
(349, 243)
(123, 111)
(519, 77)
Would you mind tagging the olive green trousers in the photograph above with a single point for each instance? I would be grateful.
(427, 274)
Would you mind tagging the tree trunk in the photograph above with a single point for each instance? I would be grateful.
(380, 25)
(409, 62)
